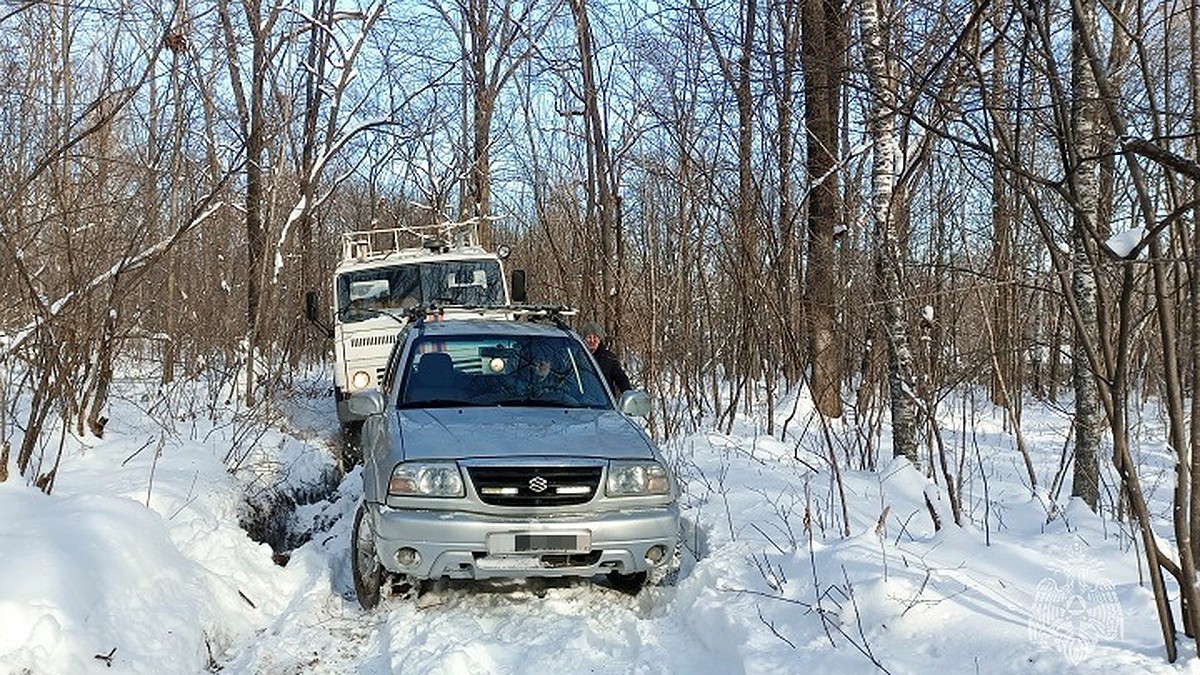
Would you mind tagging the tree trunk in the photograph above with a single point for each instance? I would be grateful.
(822, 50)
(251, 108)
(105, 353)
(1085, 128)
(1194, 283)
(786, 277)
(175, 212)
(1007, 369)
(1127, 470)
(479, 195)
(253, 184)
(603, 205)
(882, 129)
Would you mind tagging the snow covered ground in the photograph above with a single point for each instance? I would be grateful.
(138, 562)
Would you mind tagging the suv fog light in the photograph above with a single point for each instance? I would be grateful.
(656, 554)
(408, 557)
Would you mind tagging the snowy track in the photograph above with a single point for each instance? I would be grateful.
(500, 626)
(561, 626)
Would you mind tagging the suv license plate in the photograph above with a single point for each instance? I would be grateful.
(540, 542)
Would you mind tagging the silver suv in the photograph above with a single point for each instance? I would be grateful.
(495, 449)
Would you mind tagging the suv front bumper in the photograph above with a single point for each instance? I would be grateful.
(455, 544)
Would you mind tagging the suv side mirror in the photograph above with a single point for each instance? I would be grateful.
(635, 403)
(365, 403)
(516, 286)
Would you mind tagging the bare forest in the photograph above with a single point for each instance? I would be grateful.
(881, 202)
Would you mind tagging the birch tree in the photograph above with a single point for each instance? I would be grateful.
(890, 257)
(1085, 128)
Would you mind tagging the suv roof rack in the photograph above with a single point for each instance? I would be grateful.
(553, 313)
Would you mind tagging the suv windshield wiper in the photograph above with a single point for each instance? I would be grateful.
(436, 403)
(534, 403)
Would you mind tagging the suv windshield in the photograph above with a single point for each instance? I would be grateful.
(481, 370)
(447, 282)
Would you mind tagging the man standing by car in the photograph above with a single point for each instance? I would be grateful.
(593, 336)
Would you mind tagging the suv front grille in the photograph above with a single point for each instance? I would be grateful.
(535, 485)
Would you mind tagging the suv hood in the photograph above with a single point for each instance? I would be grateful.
(494, 432)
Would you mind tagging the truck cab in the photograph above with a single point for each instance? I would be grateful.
(385, 275)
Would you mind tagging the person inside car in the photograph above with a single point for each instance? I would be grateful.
(547, 374)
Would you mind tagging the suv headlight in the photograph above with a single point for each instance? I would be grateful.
(426, 479)
(637, 479)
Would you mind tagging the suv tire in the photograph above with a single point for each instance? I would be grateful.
(364, 562)
(627, 583)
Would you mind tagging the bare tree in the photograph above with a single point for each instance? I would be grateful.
(249, 93)
(602, 205)
(1005, 321)
(72, 310)
(496, 39)
(823, 47)
(1193, 80)
(787, 232)
(745, 268)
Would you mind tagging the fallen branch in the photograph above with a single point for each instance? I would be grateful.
(106, 658)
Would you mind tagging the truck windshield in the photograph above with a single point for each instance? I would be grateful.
(362, 293)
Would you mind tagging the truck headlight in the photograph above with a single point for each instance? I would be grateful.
(360, 379)
(426, 479)
(637, 479)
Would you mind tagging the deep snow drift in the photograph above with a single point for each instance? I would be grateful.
(139, 563)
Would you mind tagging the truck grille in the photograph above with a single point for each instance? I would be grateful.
(373, 340)
(535, 485)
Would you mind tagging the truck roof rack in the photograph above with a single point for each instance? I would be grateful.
(382, 242)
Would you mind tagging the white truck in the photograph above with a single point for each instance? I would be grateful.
(387, 276)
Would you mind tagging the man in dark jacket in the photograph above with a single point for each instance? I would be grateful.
(593, 336)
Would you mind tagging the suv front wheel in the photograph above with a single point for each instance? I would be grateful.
(364, 562)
